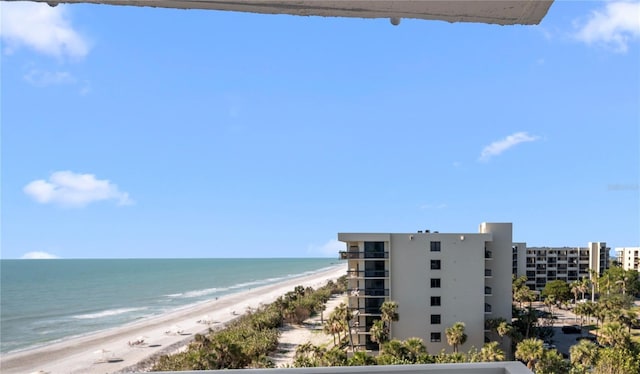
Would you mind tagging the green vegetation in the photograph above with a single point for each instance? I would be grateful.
(456, 335)
(616, 350)
(248, 340)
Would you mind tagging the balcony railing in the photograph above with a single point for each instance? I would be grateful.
(369, 273)
(366, 310)
(487, 272)
(487, 308)
(488, 254)
(350, 255)
(369, 292)
(487, 291)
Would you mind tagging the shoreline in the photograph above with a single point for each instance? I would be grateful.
(150, 318)
(162, 334)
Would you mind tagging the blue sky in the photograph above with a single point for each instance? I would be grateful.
(140, 132)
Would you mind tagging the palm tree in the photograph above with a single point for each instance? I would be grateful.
(550, 301)
(491, 352)
(584, 286)
(593, 279)
(361, 359)
(395, 348)
(333, 326)
(416, 350)
(584, 355)
(504, 329)
(628, 318)
(580, 311)
(623, 282)
(378, 333)
(456, 336)
(575, 288)
(530, 350)
(335, 357)
(345, 315)
(614, 334)
(600, 312)
(389, 311)
(590, 310)
(552, 362)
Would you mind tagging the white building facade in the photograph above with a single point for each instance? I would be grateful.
(437, 279)
(543, 264)
(628, 258)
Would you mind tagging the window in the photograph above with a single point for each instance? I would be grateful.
(436, 337)
(435, 319)
(435, 300)
(435, 282)
(435, 264)
(435, 246)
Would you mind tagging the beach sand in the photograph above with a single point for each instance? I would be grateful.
(293, 335)
(161, 335)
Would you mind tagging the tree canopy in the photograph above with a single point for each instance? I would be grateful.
(559, 290)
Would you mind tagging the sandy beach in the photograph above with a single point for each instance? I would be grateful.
(109, 351)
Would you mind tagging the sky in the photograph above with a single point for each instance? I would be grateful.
(159, 133)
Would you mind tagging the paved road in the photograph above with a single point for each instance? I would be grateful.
(564, 318)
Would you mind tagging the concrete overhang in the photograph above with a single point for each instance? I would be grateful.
(524, 12)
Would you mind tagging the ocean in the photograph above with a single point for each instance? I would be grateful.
(43, 301)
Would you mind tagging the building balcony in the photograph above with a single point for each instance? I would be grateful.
(488, 255)
(488, 291)
(361, 292)
(368, 273)
(488, 273)
(363, 311)
(353, 255)
(487, 308)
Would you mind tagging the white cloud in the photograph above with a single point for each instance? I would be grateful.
(615, 26)
(43, 28)
(38, 256)
(328, 249)
(499, 146)
(42, 78)
(70, 189)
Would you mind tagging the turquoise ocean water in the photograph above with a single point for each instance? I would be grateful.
(42, 301)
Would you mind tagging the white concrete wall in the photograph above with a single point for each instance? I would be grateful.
(462, 278)
(461, 292)
(629, 257)
(598, 256)
(501, 267)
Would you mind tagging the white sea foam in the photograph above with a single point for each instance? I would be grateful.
(198, 293)
(174, 294)
(107, 313)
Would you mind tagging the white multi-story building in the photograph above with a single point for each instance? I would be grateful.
(628, 258)
(437, 279)
(543, 264)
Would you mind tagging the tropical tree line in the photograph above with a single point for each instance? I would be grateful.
(395, 352)
(611, 306)
(247, 341)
